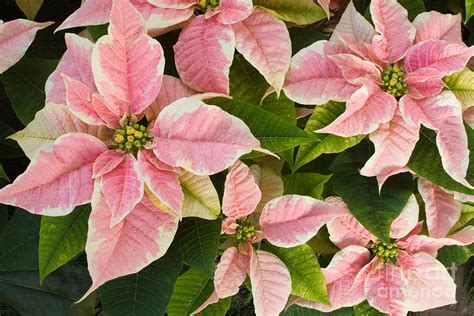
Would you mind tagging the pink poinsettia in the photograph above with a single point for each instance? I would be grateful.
(15, 38)
(105, 154)
(285, 221)
(391, 78)
(396, 277)
(205, 48)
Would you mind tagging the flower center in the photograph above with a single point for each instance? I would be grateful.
(393, 81)
(244, 231)
(385, 251)
(131, 137)
(204, 4)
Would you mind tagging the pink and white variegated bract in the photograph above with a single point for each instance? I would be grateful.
(412, 280)
(110, 85)
(205, 48)
(285, 221)
(15, 38)
(391, 78)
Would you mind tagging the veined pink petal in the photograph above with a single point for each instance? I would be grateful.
(171, 90)
(386, 288)
(210, 300)
(429, 284)
(353, 24)
(265, 42)
(442, 113)
(442, 211)
(92, 12)
(163, 182)
(51, 122)
(356, 70)
(106, 112)
(57, 179)
(340, 275)
(141, 238)
(204, 53)
(123, 188)
(233, 11)
(76, 64)
(271, 283)
(230, 273)
(435, 25)
(229, 225)
(292, 220)
(127, 64)
(157, 19)
(79, 101)
(345, 231)
(396, 32)
(15, 38)
(241, 193)
(394, 143)
(325, 5)
(440, 55)
(107, 162)
(313, 78)
(173, 4)
(465, 235)
(420, 243)
(366, 109)
(407, 220)
(424, 83)
(200, 138)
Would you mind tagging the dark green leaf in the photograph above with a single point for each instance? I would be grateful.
(455, 255)
(3, 174)
(296, 310)
(199, 241)
(373, 210)
(191, 290)
(97, 31)
(322, 244)
(9, 149)
(217, 309)
(414, 7)
(311, 184)
(24, 85)
(307, 280)
(19, 242)
(303, 37)
(62, 238)
(147, 292)
(364, 309)
(469, 10)
(275, 134)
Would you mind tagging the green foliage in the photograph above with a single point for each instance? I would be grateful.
(300, 12)
(307, 279)
(414, 7)
(426, 162)
(296, 310)
(3, 174)
(462, 85)
(469, 10)
(301, 38)
(147, 292)
(19, 242)
(374, 210)
(364, 309)
(200, 197)
(311, 184)
(455, 255)
(199, 241)
(217, 309)
(275, 134)
(191, 290)
(24, 85)
(322, 116)
(9, 149)
(61, 239)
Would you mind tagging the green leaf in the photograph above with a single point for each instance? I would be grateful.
(455, 255)
(24, 85)
(19, 242)
(364, 309)
(217, 309)
(373, 210)
(62, 238)
(275, 134)
(300, 12)
(462, 85)
(322, 116)
(200, 197)
(311, 184)
(9, 149)
(303, 37)
(296, 310)
(29, 7)
(467, 216)
(200, 241)
(147, 292)
(20, 290)
(3, 174)
(307, 280)
(414, 7)
(190, 291)
(322, 244)
(469, 10)
(97, 31)
(425, 161)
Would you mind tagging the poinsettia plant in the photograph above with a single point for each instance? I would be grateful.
(235, 157)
